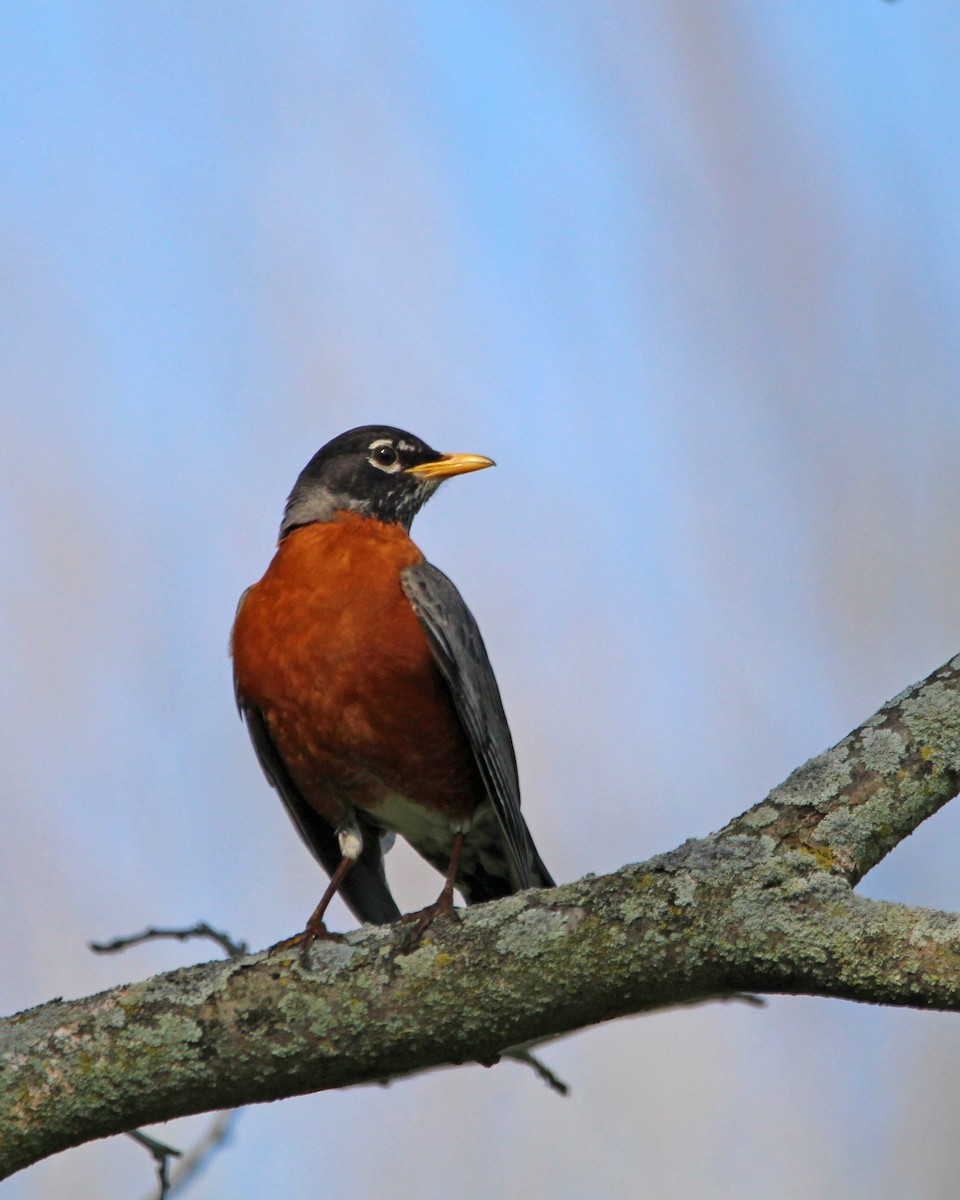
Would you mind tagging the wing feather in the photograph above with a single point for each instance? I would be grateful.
(461, 657)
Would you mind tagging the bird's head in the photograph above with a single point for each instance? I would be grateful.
(373, 471)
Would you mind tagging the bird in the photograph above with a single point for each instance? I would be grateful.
(367, 691)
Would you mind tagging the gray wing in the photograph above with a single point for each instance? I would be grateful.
(461, 657)
(365, 887)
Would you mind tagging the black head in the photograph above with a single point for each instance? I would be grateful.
(374, 471)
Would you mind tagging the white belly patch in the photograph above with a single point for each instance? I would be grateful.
(432, 833)
(429, 831)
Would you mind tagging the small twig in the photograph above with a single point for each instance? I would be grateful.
(727, 998)
(231, 948)
(162, 1153)
(522, 1055)
(196, 1159)
(745, 998)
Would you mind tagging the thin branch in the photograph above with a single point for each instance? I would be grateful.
(554, 1082)
(746, 998)
(231, 948)
(162, 1153)
(198, 1158)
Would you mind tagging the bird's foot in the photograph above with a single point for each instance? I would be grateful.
(443, 906)
(312, 933)
(316, 931)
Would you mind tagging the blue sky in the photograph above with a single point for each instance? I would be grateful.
(689, 273)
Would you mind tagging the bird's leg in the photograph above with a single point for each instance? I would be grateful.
(316, 930)
(444, 902)
(351, 845)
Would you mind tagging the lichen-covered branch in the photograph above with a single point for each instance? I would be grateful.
(852, 804)
(765, 906)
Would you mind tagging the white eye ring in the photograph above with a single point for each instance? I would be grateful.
(384, 456)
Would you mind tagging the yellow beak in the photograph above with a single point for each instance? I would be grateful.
(451, 464)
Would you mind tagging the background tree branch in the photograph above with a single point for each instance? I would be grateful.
(764, 905)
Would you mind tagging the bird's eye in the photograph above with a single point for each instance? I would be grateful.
(384, 455)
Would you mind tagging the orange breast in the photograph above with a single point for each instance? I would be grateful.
(327, 647)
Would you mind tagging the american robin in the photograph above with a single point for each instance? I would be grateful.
(367, 690)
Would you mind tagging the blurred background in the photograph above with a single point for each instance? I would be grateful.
(691, 274)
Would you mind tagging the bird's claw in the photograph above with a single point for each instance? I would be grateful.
(426, 916)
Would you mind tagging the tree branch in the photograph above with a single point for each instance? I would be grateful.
(766, 905)
(851, 805)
